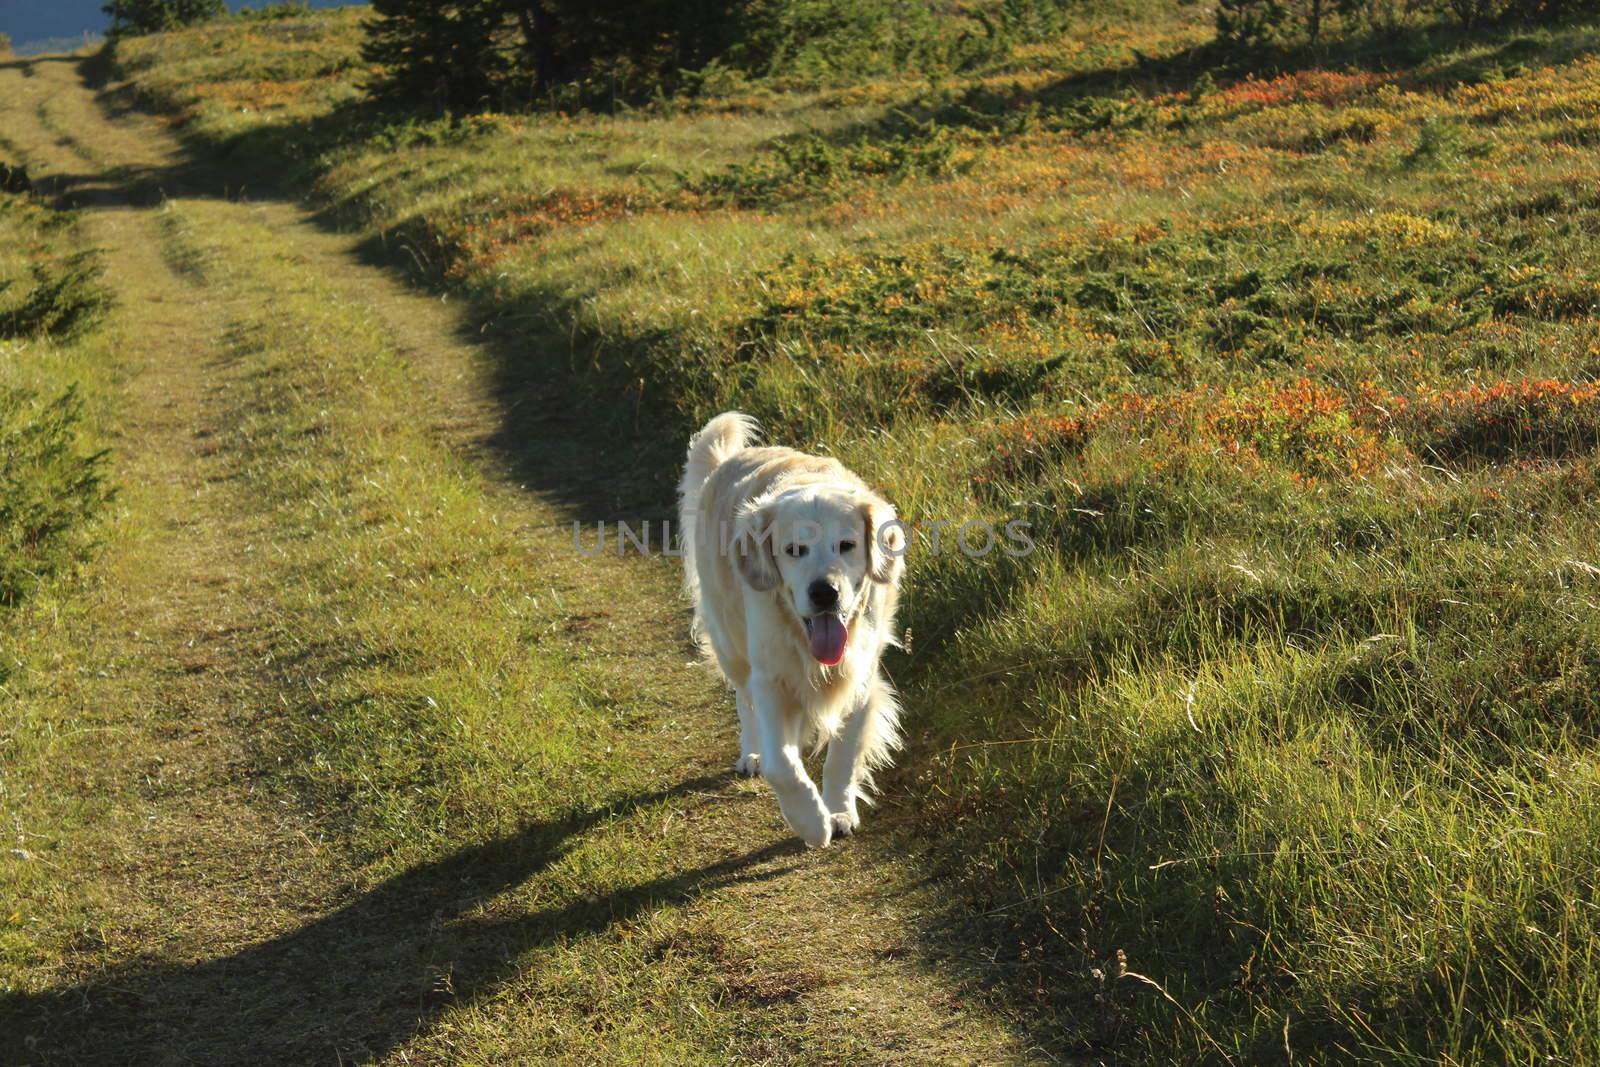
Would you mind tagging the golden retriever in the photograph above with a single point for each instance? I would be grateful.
(793, 566)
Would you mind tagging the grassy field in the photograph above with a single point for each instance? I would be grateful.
(57, 378)
(1282, 746)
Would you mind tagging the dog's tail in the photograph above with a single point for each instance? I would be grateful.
(722, 437)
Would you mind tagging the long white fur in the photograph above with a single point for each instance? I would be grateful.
(755, 636)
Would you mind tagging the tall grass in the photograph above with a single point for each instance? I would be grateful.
(1282, 746)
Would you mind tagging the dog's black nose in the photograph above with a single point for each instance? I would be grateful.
(823, 595)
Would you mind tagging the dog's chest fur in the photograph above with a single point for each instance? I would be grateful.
(826, 694)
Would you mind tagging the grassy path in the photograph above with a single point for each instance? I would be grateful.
(371, 764)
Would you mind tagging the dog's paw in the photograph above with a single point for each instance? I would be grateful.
(817, 838)
(748, 765)
(844, 824)
(813, 827)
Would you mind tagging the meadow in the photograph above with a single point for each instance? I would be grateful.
(1282, 746)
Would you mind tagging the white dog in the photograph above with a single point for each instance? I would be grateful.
(793, 566)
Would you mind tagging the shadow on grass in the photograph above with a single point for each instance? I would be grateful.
(1046, 953)
(24, 63)
(361, 980)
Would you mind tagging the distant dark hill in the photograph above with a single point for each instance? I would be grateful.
(37, 25)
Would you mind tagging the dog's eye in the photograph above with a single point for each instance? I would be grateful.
(846, 546)
(797, 551)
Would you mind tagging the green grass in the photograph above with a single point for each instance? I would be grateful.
(57, 379)
(349, 754)
(426, 713)
(428, 688)
(1283, 745)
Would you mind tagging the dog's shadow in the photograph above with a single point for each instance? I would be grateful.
(360, 980)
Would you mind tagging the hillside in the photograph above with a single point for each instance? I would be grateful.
(1282, 746)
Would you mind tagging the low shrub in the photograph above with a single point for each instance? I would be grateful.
(288, 9)
(14, 177)
(1301, 425)
(51, 488)
(66, 298)
(1519, 419)
(811, 165)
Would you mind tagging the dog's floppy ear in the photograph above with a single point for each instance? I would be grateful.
(752, 549)
(885, 539)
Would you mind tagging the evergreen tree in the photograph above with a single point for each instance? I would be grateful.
(452, 54)
(1250, 22)
(469, 54)
(152, 16)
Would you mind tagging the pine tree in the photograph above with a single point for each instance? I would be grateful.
(1249, 22)
(152, 16)
(453, 54)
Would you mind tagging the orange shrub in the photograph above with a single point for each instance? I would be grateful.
(1537, 418)
(1326, 87)
(481, 242)
(1302, 425)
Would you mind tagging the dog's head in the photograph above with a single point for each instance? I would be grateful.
(820, 547)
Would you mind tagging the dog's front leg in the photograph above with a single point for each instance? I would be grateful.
(778, 726)
(842, 770)
(846, 764)
(749, 761)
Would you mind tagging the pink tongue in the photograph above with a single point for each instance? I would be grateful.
(828, 636)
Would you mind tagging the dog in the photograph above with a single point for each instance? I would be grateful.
(793, 566)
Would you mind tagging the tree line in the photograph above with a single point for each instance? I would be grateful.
(468, 55)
